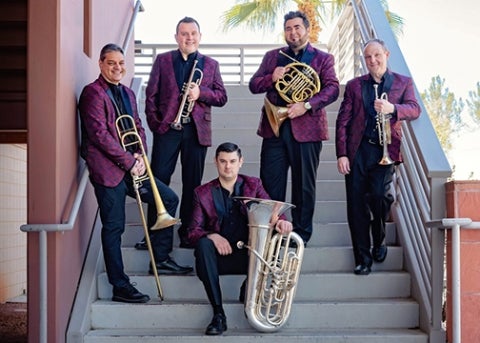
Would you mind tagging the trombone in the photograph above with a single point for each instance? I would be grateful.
(129, 137)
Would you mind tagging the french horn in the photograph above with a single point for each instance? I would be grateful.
(299, 83)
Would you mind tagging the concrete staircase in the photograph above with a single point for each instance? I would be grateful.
(331, 305)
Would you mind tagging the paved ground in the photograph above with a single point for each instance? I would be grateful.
(13, 322)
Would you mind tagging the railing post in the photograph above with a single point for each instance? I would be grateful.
(43, 286)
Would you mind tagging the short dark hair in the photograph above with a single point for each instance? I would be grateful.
(296, 14)
(187, 20)
(228, 147)
(109, 48)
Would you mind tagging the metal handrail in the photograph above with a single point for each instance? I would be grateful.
(138, 8)
(42, 229)
(455, 224)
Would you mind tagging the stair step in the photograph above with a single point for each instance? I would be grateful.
(316, 259)
(311, 287)
(250, 336)
(304, 315)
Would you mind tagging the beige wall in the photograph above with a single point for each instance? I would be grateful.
(13, 213)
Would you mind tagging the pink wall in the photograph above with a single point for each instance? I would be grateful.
(57, 70)
(463, 201)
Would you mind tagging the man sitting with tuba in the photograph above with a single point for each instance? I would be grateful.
(368, 138)
(301, 91)
(218, 222)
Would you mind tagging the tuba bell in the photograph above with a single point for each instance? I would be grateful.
(274, 267)
(299, 83)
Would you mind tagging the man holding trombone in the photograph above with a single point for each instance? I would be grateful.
(114, 165)
(368, 138)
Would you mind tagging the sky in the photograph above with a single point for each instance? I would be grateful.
(440, 38)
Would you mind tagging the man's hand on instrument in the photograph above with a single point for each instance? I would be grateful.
(284, 227)
(278, 73)
(383, 106)
(193, 92)
(296, 110)
(139, 168)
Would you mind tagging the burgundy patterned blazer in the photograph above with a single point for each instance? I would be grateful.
(205, 219)
(312, 126)
(163, 96)
(106, 159)
(351, 119)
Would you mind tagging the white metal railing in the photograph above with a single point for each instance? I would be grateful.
(238, 62)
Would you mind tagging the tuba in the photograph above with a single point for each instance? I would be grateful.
(299, 83)
(274, 267)
(384, 130)
(130, 139)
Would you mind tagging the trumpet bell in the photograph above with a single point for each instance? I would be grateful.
(386, 160)
(276, 115)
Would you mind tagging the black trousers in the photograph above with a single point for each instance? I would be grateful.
(278, 155)
(111, 202)
(210, 265)
(368, 200)
(165, 152)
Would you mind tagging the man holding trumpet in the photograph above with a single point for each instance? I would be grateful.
(182, 87)
(113, 167)
(368, 138)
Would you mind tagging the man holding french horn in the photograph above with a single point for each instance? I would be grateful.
(299, 81)
(368, 138)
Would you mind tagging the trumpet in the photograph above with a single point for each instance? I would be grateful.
(384, 130)
(130, 139)
(185, 108)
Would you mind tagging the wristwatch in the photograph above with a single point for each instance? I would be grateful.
(307, 106)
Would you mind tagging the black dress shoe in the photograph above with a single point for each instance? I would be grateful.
(142, 245)
(217, 326)
(129, 294)
(379, 254)
(169, 266)
(362, 269)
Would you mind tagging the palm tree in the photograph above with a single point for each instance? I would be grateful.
(263, 14)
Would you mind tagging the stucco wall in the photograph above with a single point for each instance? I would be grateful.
(58, 69)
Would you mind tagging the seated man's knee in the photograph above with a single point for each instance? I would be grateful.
(204, 246)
